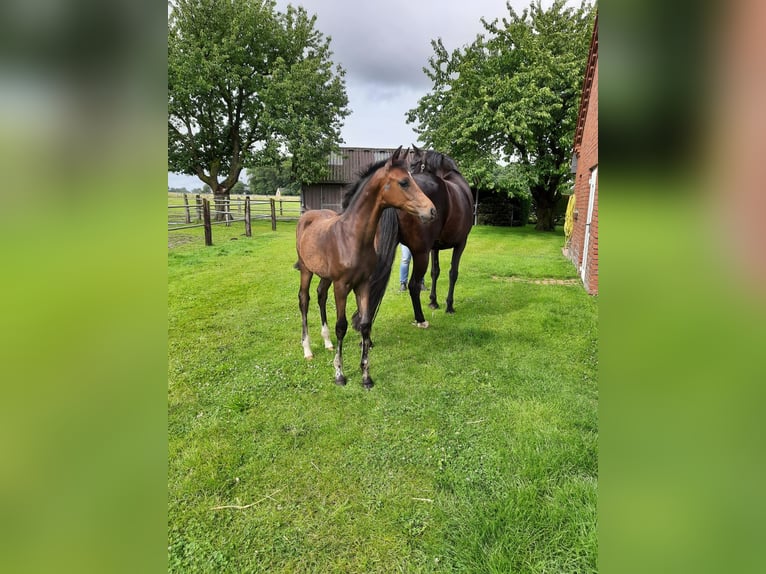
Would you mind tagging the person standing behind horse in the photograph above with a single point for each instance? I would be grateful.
(404, 270)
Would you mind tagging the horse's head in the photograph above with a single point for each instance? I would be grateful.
(417, 160)
(431, 161)
(398, 188)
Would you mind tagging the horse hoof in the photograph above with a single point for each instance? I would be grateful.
(368, 384)
(433, 305)
(340, 380)
(308, 357)
(423, 325)
(450, 311)
(329, 347)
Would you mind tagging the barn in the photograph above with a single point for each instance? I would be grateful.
(582, 213)
(345, 168)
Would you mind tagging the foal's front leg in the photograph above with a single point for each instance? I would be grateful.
(365, 326)
(324, 285)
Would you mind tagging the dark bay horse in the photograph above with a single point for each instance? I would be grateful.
(438, 176)
(340, 249)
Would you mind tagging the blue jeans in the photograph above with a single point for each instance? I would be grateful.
(404, 267)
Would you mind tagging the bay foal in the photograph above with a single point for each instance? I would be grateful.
(340, 249)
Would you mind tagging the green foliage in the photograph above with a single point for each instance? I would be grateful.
(505, 199)
(476, 451)
(512, 179)
(239, 188)
(266, 178)
(499, 208)
(247, 82)
(512, 95)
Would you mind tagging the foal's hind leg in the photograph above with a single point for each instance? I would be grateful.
(365, 326)
(324, 285)
(303, 301)
(341, 326)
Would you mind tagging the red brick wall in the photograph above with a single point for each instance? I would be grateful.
(587, 161)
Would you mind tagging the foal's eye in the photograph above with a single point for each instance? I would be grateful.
(405, 183)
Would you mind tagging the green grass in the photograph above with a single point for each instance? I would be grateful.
(476, 451)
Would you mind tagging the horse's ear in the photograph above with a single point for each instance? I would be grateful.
(395, 157)
(417, 154)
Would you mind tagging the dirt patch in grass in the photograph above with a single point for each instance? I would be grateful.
(537, 281)
(176, 239)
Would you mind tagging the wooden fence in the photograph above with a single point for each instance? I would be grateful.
(201, 213)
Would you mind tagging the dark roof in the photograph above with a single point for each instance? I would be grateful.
(587, 85)
(346, 166)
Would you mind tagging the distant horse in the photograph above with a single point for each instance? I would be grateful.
(439, 178)
(340, 249)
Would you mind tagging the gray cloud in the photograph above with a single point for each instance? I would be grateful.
(390, 42)
(384, 46)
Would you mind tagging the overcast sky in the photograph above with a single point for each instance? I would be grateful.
(383, 46)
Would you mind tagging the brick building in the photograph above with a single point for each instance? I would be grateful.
(582, 245)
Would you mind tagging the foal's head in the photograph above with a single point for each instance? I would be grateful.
(398, 188)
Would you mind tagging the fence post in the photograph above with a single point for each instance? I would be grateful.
(186, 205)
(248, 229)
(280, 208)
(199, 207)
(273, 214)
(208, 226)
(227, 210)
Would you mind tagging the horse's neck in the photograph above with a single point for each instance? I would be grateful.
(361, 217)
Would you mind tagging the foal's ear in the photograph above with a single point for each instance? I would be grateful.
(416, 150)
(396, 155)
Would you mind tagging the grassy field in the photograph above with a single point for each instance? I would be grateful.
(476, 451)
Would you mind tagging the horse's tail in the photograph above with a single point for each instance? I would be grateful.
(388, 238)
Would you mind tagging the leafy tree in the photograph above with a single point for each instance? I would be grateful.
(239, 188)
(513, 96)
(266, 178)
(246, 83)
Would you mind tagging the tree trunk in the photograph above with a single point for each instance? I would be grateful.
(545, 218)
(545, 206)
(221, 199)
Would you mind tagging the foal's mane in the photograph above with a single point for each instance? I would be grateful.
(353, 188)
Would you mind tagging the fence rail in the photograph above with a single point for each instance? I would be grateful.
(224, 210)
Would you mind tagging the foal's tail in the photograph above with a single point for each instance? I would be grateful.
(388, 238)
